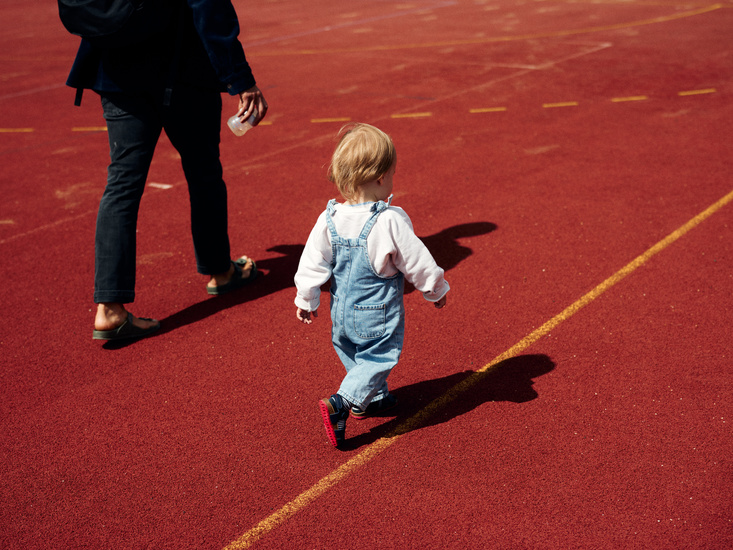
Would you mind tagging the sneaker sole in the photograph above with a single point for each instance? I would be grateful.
(327, 410)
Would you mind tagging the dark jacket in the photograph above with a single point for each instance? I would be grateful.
(209, 55)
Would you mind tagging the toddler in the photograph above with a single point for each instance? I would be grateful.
(366, 247)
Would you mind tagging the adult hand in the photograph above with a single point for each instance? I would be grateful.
(249, 100)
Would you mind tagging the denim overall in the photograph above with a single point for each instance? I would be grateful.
(367, 313)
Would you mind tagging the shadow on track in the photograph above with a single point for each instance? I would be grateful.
(434, 402)
(275, 274)
(446, 249)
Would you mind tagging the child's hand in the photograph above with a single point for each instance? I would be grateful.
(305, 316)
(441, 303)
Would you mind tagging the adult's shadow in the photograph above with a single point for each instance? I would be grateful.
(434, 402)
(276, 274)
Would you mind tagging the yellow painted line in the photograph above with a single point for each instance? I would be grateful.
(265, 123)
(698, 92)
(411, 115)
(630, 98)
(16, 130)
(549, 34)
(611, 281)
(488, 110)
(561, 104)
(7, 222)
(304, 499)
(336, 119)
(308, 496)
(89, 129)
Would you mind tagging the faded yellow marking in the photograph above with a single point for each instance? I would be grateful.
(335, 119)
(698, 92)
(16, 130)
(488, 110)
(411, 115)
(560, 104)
(152, 259)
(487, 40)
(304, 499)
(89, 129)
(7, 222)
(630, 98)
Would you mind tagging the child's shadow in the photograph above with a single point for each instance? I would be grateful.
(436, 401)
(446, 249)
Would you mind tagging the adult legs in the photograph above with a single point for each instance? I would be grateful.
(133, 126)
(193, 124)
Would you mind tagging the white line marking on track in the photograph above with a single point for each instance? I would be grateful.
(329, 28)
(46, 227)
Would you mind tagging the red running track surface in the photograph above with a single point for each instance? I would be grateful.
(569, 165)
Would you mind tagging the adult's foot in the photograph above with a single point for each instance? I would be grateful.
(111, 316)
(241, 272)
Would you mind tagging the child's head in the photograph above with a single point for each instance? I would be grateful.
(364, 154)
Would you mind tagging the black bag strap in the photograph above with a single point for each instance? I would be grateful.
(175, 61)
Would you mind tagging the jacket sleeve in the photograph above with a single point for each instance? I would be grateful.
(218, 27)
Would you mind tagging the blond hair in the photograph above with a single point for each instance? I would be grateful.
(364, 153)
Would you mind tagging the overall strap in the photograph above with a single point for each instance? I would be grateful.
(330, 211)
(377, 208)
